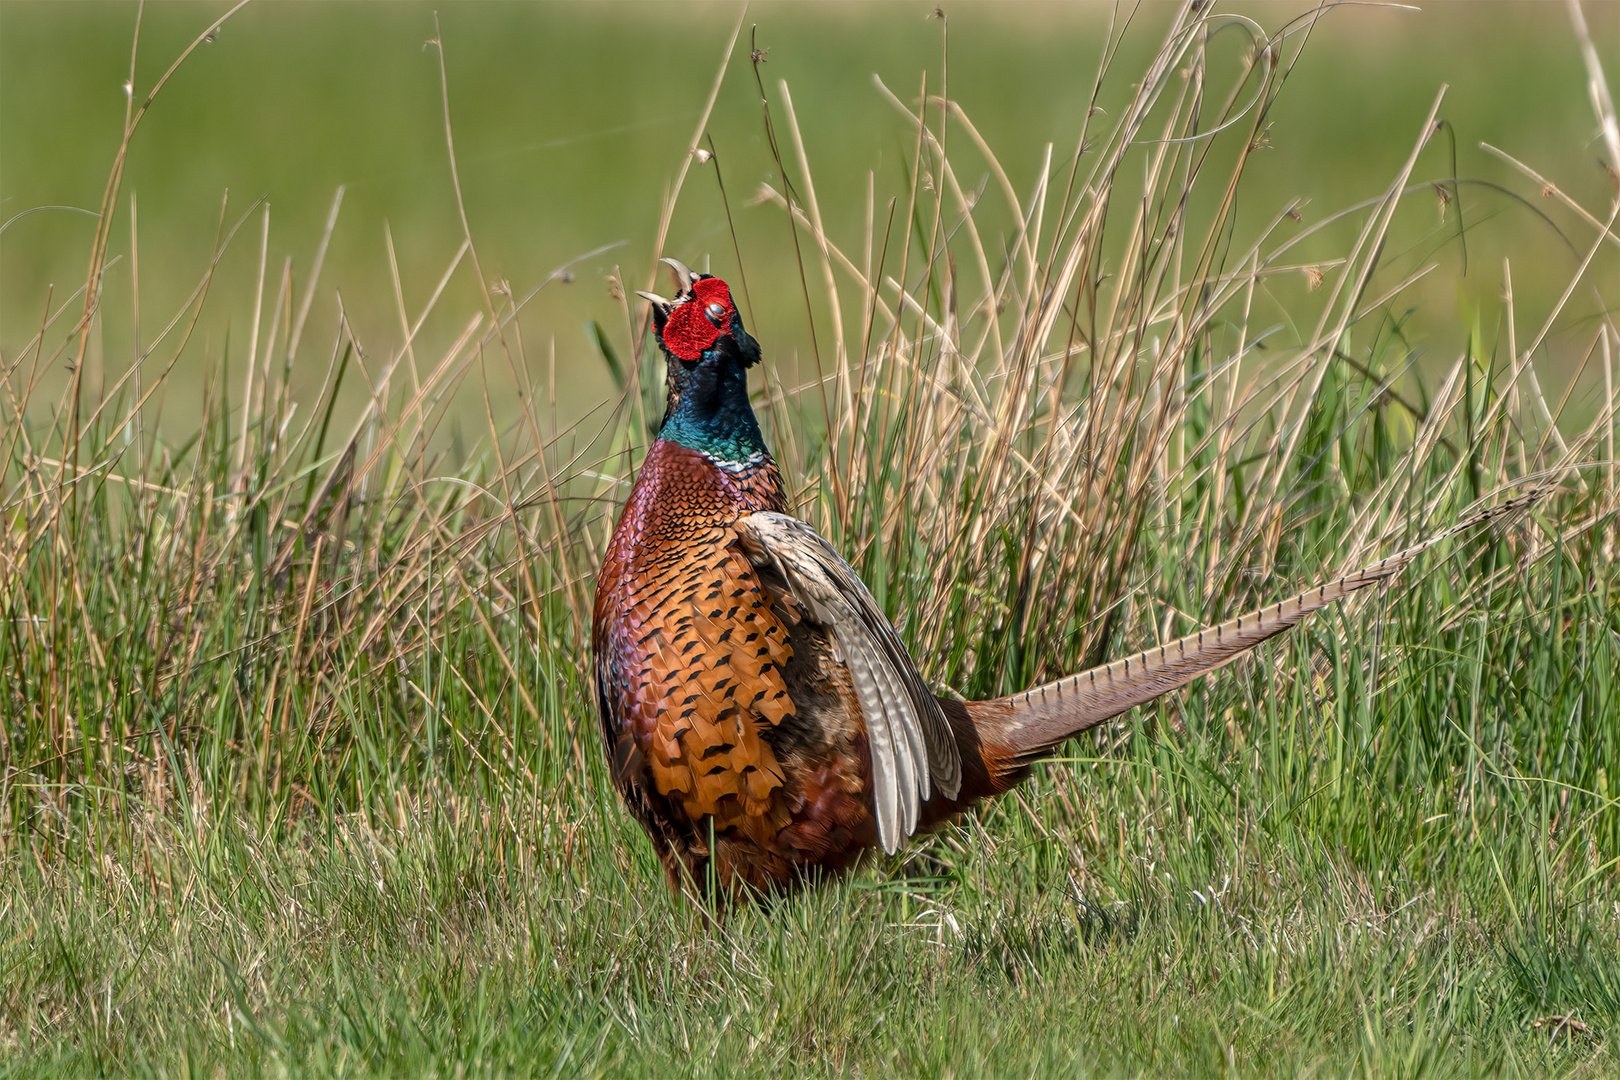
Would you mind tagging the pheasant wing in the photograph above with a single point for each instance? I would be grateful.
(913, 751)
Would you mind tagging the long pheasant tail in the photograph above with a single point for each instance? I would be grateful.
(1034, 721)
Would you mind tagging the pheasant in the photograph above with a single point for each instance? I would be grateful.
(762, 719)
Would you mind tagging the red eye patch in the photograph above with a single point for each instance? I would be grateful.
(689, 333)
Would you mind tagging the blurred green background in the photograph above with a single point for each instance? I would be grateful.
(570, 121)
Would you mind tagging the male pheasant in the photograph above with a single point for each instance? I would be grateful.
(762, 719)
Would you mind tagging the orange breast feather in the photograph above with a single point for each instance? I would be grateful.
(710, 681)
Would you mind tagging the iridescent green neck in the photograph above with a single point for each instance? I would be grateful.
(708, 411)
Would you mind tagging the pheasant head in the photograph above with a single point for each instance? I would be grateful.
(707, 354)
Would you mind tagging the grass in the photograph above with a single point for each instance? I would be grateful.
(300, 772)
(351, 88)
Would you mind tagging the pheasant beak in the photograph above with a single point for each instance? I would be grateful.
(657, 301)
(684, 276)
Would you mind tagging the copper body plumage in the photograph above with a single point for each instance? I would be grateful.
(761, 717)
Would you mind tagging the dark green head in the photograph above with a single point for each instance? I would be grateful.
(708, 354)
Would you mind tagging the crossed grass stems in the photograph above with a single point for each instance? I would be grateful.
(1046, 427)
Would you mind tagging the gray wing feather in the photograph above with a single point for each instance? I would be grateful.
(913, 751)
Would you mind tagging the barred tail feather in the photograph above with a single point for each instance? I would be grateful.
(1037, 720)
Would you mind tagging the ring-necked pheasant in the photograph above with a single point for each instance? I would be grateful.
(763, 720)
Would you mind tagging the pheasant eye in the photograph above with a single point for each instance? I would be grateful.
(716, 313)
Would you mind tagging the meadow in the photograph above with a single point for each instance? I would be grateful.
(1083, 327)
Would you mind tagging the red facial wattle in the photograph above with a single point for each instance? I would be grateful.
(696, 323)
